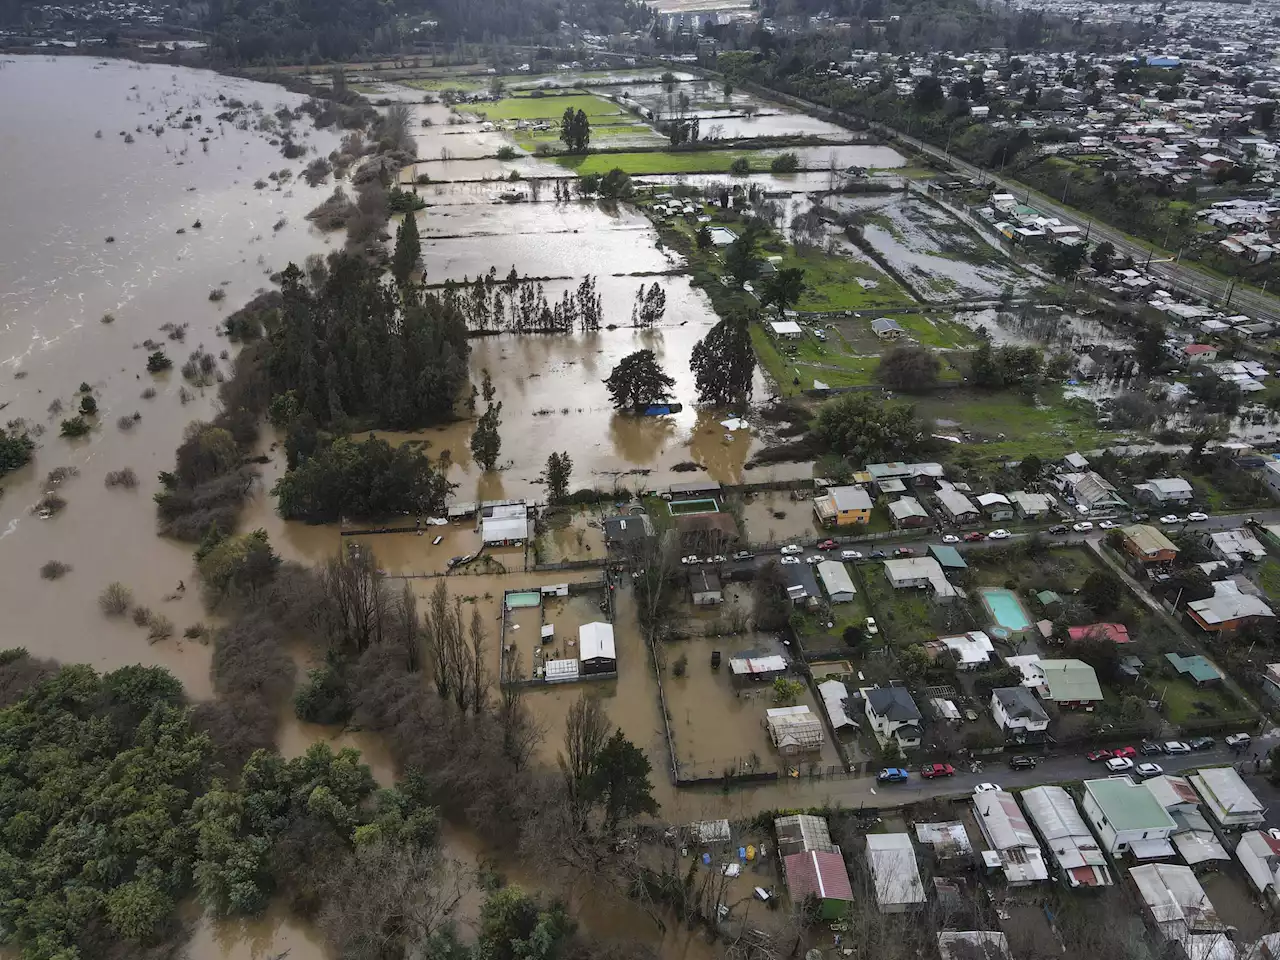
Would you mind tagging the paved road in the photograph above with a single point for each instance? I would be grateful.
(1186, 279)
(1051, 770)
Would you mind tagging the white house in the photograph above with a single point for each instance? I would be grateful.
(919, 572)
(893, 714)
(1031, 506)
(1016, 709)
(1172, 490)
(1259, 854)
(995, 506)
(1227, 799)
(1128, 819)
(836, 581)
(1236, 546)
(596, 651)
(786, 329)
(894, 870)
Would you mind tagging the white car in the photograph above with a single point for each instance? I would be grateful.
(813, 558)
(690, 559)
(986, 788)
(1107, 525)
(790, 549)
(950, 538)
(1119, 764)
(1177, 748)
(790, 560)
(1197, 517)
(872, 629)
(1149, 770)
(1001, 534)
(1171, 518)
(850, 555)
(717, 559)
(1084, 526)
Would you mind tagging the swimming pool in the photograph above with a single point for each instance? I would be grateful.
(528, 598)
(1005, 608)
(685, 508)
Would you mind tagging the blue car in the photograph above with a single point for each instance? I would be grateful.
(892, 775)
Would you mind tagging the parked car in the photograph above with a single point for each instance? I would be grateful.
(827, 545)
(813, 558)
(691, 559)
(1147, 748)
(877, 554)
(718, 558)
(986, 788)
(1145, 770)
(1239, 741)
(850, 555)
(1095, 755)
(1022, 763)
(892, 775)
(1139, 517)
(789, 560)
(1124, 752)
(975, 536)
(744, 555)
(1202, 743)
(872, 628)
(1058, 529)
(1197, 517)
(1177, 747)
(904, 552)
(1000, 534)
(1119, 764)
(931, 770)
(1172, 518)
(1084, 526)
(1107, 525)
(950, 538)
(790, 549)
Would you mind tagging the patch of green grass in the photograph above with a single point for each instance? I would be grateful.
(658, 161)
(1051, 428)
(937, 332)
(436, 84)
(1181, 696)
(831, 282)
(1269, 578)
(902, 615)
(815, 633)
(543, 108)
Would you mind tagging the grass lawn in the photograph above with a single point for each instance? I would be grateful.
(1269, 578)
(1052, 428)
(1181, 696)
(813, 628)
(831, 282)
(657, 162)
(937, 332)
(543, 108)
(902, 615)
(435, 84)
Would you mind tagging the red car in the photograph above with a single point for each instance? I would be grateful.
(976, 535)
(1124, 752)
(827, 545)
(1099, 755)
(931, 770)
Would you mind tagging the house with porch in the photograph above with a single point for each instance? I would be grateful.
(893, 715)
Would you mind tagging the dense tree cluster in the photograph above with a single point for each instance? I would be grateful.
(909, 368)
(575, 130)
(16, 446)
(357, 479)
(996, 368)
(518, 304)
(863, 430)
(650, 306)
(356, 348)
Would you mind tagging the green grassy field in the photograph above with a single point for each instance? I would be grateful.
(601, 134)
(1051, 428)
(831, 282)
(1269, 578)
(693, 161)
(436, 84)
(543, 108)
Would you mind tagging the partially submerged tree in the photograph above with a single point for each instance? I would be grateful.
(909, 368)
(638, 381)
(559, 469)
(723, 363)
(486, 443)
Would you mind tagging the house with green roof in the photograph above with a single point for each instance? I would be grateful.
(948, 557)
(1070, 684)
(1197, 668)
(1128, 818)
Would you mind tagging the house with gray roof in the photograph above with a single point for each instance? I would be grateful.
(893, 714)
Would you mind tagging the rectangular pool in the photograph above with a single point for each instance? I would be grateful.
(685, 508)
(1005, 608)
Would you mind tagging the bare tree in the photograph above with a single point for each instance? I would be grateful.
(479, 682)
(356, 601)
(407, 627)
(521, 734)
(586, 729)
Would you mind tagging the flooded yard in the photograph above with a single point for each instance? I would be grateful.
(941, 257)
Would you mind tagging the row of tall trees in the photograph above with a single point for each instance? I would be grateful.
(723, 364)
(520, 305)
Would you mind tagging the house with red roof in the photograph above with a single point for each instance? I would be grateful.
(1115, 632)
(1200, 352)
(823, 875)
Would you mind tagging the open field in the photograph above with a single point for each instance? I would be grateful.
(542, 108)
(1011, 426)
(691, 161)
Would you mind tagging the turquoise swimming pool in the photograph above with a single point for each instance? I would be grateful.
(1005, 608)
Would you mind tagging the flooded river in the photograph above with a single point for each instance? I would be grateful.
(112, 234)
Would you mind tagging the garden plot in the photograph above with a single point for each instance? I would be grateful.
(939, 256)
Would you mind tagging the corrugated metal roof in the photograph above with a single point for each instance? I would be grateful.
(819, 873)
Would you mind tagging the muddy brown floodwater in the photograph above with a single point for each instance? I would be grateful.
(60, 274)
